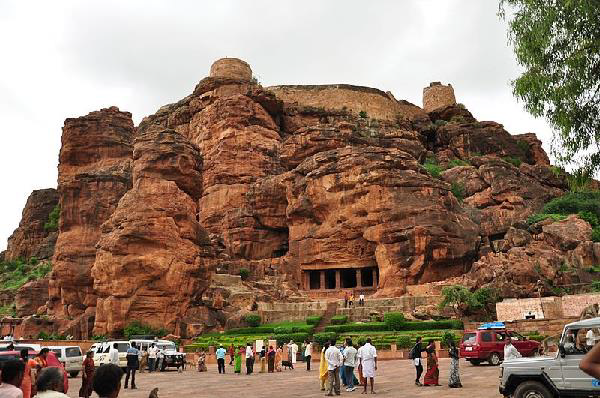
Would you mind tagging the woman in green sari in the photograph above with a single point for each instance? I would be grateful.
(238, 360)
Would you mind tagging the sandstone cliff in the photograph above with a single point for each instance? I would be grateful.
(157, 221)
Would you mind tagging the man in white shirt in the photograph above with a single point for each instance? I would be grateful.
(293, 350)
(308, 354)
(367, 357)
(152, 355)
(249, 359)
(349, 364)
(510, 351)
(113, 354)
(334, 359)
(12, 376)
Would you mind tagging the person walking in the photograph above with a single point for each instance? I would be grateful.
(334, 359)
(349, 364)
(454, 381)
(308, 354)
(263, 359)
(415, 355)
(432, 376)
(279, 359)
(271, 359)
(12, 377)
(323, 367)
(249, 359)
(238, 360)
(367, 356)
(113, 354)
(87, 376)
(152, 354)
(133, 363)
(293, 351)
(231, 354)
(346, 299)
(351, 300)
(361, 299)
(28, 382)
(221, 352)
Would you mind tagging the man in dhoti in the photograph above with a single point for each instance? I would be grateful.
(293, 350)
(367, 356)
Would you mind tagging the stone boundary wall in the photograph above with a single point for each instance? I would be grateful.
(545, 327)
(354, 99)
(546, 307)
(83, 344)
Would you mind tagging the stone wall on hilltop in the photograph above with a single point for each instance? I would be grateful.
(301, 189)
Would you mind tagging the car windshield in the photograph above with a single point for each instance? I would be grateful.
(469, 338)
(73, 352)
(573, 341)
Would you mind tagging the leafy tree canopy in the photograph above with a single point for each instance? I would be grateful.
(558, 44)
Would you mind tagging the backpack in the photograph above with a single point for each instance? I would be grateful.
(411, 353)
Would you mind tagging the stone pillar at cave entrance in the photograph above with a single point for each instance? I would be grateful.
(322, 280)
(375, 281)
(358, 277)
(338, 279)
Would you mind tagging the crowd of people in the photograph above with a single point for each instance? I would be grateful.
(27, 378)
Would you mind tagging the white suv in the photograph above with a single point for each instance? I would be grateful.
(71, 358)
(557, 376)
(101, 351)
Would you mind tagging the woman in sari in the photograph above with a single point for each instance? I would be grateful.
(454, 381)
(433, 372)
(238, 360)
(323, 367)
(271, 359)
(28, 382)
(279, 359)
(87, 376)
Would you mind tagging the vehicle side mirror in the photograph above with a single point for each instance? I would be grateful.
(561, 350)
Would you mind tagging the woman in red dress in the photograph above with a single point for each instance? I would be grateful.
(88, 375)
(433, 372)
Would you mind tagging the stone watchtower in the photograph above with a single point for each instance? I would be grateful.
(231, 68)
(437, 96)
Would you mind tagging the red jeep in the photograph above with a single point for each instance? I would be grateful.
(488, 345)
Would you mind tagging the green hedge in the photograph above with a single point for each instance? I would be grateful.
(313, 320)
(285, 338)
(293, 329)
(253, 320)
(322, 338)
(251, 331)
(404, 342)
(339, 319)
(395, 320)
(358, 327)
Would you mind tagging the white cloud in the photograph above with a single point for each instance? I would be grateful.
(65, 59)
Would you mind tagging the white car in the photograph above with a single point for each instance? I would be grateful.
(71, 358)
(19, 346)
(167, 353)
(101, 351)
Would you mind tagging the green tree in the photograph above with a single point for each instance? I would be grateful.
(456, 297)
(557, 42)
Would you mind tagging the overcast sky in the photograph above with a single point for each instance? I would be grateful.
(66, 58)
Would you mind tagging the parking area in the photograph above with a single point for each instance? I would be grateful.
(394, 379)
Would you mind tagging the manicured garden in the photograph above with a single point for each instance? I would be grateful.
(393, 330)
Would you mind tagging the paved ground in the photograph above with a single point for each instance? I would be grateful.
(394, 379)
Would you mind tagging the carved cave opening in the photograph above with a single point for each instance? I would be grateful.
(348, 278)
(330, 279)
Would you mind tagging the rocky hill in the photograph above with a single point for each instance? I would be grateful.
(283, 181)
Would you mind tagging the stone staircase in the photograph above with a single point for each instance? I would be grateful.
(326, 318)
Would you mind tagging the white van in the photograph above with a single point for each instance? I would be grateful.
(101, 351)
(71, 358)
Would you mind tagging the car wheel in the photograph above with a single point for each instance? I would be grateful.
(475, 362)
(494, 359)
(73, 374)
(532, 389)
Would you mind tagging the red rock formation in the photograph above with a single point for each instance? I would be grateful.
(31, 239)
(93, 174)
(31, 296)
(149, 264)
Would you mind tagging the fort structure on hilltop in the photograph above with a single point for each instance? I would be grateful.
(304, 191)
